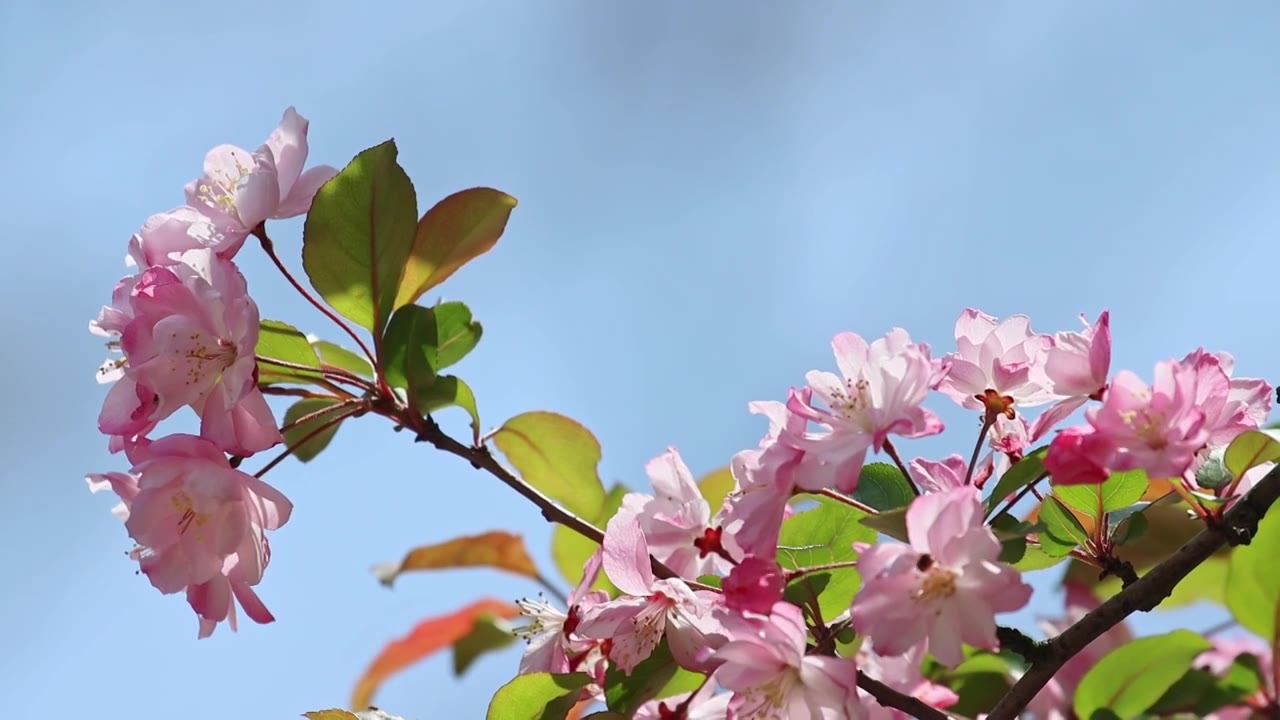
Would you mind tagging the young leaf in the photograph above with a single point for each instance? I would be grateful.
(1062, 532)
(537, 696)
(457, 229)
(658, 676)
(1118, 491)
(1133, 677)
(358, 236)
(281, 341)
(557, 456)
(450, 391)
(294, 435)
(715, 486)
(1023, 473)
(1250, 449)
(980, 681)
(570, 550)
(883, 487)
(495, 549)
(426, 638)
(1254, 596)
(822, 536)
(421, 342)
(340, 357)
(487, 635)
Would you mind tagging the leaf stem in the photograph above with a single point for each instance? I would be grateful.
(893, 453)
(841, 497)
(1008, 506)
(987, 421)
(269, 248)
(304, 440)
(550, 587)
(801, 572)
(328, 410)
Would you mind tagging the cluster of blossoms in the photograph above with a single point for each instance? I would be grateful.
(187, 329)
(766, 657)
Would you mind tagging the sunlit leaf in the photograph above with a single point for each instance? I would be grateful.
(454, 231)
(1133, 677)
(537, 696)
(883, 487)
(294, 434)
(1254, 597)
(358, 236)
(1062, 532)
(822, 536)
(282, 341)
(428, 637)
(495, 549)
(487, 635)
(1119, 490)
(980, 681)
(449, 391)
(656, 677)
(715, 486)
(340, 357)
(1023, 473)
(1250, 449)
(892, 523)
(420, 342)
(557, 456)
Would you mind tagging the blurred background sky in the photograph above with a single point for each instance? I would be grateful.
(708, 192)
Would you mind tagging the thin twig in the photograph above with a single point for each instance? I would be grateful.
(307, 438)
(1016, 497)
(1236, 527)
(987, 421)
(801, 572)
(891, 698)
(551, 588)
(892, 452)
(327, 410)
(841, 497)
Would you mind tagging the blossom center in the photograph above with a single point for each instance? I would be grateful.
(938, 582)
(223, 184)
(187, 515)
(1148, 426)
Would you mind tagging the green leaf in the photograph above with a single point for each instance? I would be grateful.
(454, 231)
(281, 341)
(1118, 491)
(537, 696)
(1250, 449)
(1062, 531)
(883, 487)
(1130, 529)
(1133, 677)
(821, 536)
(891, 522)
(1023, 473)
(570, 550)
(1255, 585)
(715, 486)
(1207, 582)
(294, 435)
(456, 333)
(658, 676)
(1034, 557)
(340, 357)
(980, 681)
(358, 235)
(557, 456)
(421, 342)
(450, 391)
(488, 634)
(1202, 693)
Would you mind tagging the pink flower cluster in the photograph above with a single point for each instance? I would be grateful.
(933, 595)
(187, 330)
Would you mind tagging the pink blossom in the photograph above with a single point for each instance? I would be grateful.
(1077, 364)
(1158, 427)
(878, 393)
(946, 586)
(188, 332)
(765, 665)
(240, 189)
(766, 479)
(998, 365)
(1010, 437)
(1053, 702)
(676, 520)
(165, 236)
(554, 644)
(939, 476)
(1230, 405)
(1078, 456)
(651, 608)
(701, 705)
(199, 524)
(754, 585)
(902, 673)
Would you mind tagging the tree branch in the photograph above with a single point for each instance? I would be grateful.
(891, 698)
(481, 459)
(1237, 527)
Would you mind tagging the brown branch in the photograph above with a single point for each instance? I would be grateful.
(1236, 527)
(891, 698)
(481, 459)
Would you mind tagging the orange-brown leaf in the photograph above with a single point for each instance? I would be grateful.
(457, 229)
(497, 549)
(430, 636)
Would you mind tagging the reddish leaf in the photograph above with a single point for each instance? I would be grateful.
(428, 637)
(457, 229)
(495, 549)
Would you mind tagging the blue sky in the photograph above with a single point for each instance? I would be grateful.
(708, 192)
